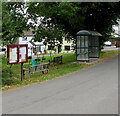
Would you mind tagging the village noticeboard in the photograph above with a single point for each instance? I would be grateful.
(17, 53)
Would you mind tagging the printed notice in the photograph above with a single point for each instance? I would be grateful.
(22, 54)
(13, 55)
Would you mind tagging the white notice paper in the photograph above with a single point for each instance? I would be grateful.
(22, 54)
(13, 55)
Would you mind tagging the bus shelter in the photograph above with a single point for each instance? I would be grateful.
(87, 45)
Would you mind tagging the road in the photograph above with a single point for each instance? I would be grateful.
(90, 91)
(109, 48)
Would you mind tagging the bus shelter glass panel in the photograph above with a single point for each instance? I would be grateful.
(82, 48)
(78, 41)
(93, 52)
(97, 41)
(93, 47)
(96, 52)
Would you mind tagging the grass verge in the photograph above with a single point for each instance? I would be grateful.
(58, 70)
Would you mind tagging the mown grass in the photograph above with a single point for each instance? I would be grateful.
(108, 54)
(58, 70)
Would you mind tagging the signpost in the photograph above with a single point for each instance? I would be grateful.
(17, 54)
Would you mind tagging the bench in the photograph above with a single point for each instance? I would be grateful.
(35, 68)
(57, 59)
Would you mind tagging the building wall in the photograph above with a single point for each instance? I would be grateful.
(26, 40)
(63, 46)
(119, 28)
(67, 43)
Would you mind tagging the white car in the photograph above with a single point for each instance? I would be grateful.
(3, 49)
(108, 43)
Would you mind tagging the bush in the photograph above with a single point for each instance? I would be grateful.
(8, 77)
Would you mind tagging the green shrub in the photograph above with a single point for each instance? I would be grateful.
(8, 77)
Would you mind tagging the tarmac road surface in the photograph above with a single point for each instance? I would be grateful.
(109, 48)
(90, 91)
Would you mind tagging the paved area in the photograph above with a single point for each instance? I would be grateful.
(90, 91)
(109, 48)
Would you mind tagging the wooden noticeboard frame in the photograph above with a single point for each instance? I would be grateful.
(12, 54)
(17, 53)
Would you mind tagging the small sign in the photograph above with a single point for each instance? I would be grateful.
(17, 53)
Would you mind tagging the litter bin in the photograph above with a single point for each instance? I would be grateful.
(34, 62)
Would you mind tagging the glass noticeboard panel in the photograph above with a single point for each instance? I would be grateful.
(13, 58)
(17, 53)
(22, 54)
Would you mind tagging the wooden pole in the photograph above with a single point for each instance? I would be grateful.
(21, 71)
(11, 70)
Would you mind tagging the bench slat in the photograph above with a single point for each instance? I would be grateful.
(37, 68)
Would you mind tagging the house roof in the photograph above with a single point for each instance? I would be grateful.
(32, 43)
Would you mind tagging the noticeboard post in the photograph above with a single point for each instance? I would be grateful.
(17, 54)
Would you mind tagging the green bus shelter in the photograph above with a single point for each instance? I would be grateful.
(87, 45)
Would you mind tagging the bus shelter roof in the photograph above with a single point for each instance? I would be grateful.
(88, 33)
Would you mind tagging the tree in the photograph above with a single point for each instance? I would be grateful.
(52, 20)
(72, 17)
(14, 21)
(102, 16)
(61, 14)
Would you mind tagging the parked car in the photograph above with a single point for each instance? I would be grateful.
(108, 43)
(3, 48)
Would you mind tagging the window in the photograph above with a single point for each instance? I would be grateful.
(38, 48)
(50, 47)
(67, 40)
(67, 48)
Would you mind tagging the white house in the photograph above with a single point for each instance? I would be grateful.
(117, 29)
(39, 47)
(67, 46)
(33, 47)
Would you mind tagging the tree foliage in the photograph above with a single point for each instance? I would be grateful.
(63, 15)
(13, 21)
(102, 16)
(72, 17)
(53, 20)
